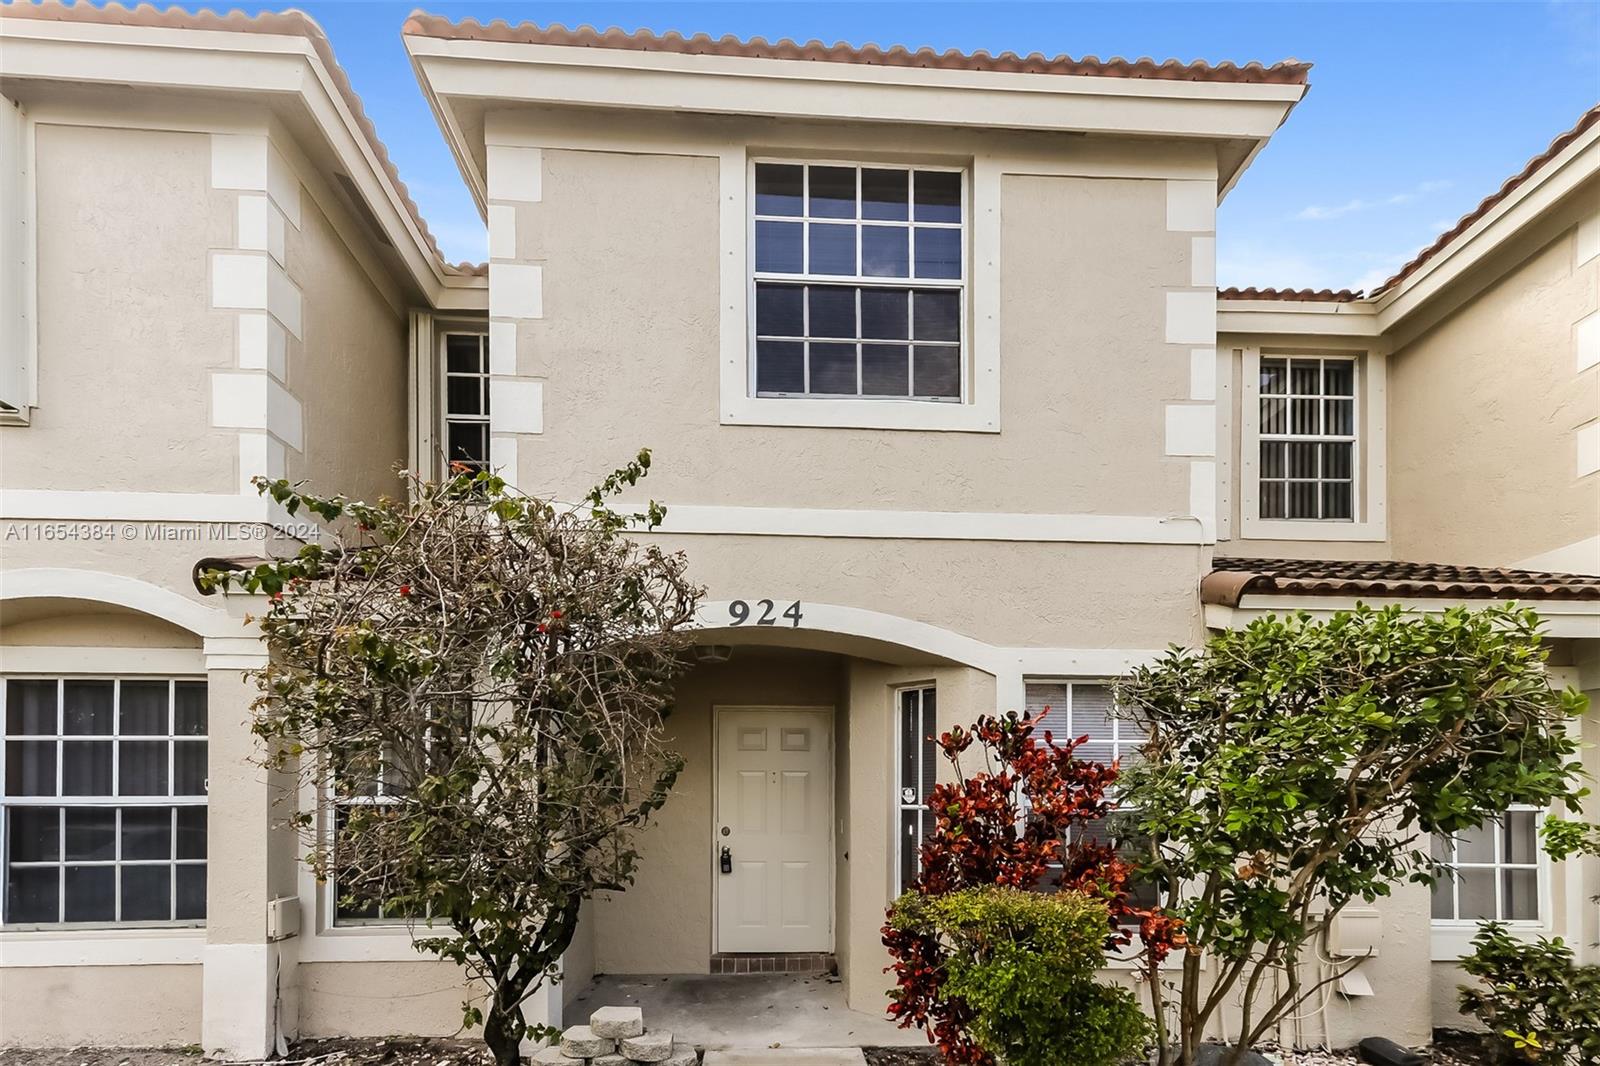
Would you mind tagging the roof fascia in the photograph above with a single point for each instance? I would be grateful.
(1562, 618)
(216, 60)
(1297, 319)
(1526, 204)
(559, 75)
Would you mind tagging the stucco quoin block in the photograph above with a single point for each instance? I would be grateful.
(1191, 205)
(516, 290)
(502, 231)
(1203, 261)
(516, 173)
(1586, 341)
(239, 281)
(654, 1046)
(1191, 429)
(239, 161)
(617, 1022)
(1192, 317)
(580, 1042)
(1588, 449)
(516, 405)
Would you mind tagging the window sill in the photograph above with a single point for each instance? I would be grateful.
(375, 942)
(147, 946)
(861, 414)
(1452, 941)
(1277, 529)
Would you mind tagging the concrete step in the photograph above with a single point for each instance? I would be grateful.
(786, 1056)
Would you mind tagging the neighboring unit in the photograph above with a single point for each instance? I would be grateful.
(944, 403)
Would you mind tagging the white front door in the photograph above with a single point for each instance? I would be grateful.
(774, 818)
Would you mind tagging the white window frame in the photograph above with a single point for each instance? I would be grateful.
(1368, 456)
(806, 278)
(445, 417)
(900, 806)
(19, 324)
(1452, 937)
(170, 801)
(979, 409)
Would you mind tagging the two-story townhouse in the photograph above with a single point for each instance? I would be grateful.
(211, 272)
(945, 407)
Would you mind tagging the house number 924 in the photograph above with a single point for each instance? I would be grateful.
(761, 613)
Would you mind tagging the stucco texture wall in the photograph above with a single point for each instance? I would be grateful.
(110, 1006)
(420, 998)
(629, 343)
(349, 371)
(1482, 460)
(127, 337)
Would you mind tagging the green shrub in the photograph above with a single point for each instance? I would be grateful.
(1537, 1003)
(1024, 963)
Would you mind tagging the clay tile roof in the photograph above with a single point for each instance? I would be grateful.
(422, 24)
(1590, 117)
(291, 22)
(1232, 579)
(1343, 296)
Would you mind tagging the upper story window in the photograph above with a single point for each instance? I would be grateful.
(1495, 871)
(859, 281)
(1308, 438)
(466, 399)
(104, 800)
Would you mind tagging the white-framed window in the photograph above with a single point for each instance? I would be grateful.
(1307, 438)
(1074, 709)
(103, 787)
(858, 281)
(465, 400)
(917, 755)
(1496, 872)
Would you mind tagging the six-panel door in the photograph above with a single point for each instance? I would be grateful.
(774, 809)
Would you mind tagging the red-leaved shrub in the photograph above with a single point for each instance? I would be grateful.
(1020, 824)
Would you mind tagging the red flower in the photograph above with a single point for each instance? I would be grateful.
(555, 614)
(405, 590)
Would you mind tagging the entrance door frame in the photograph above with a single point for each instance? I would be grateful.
(716, 807)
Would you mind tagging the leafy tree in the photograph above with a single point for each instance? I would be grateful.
(1538, 1004)
(489, 671)
(1024, 964)
(1017, 824)
(1295, 766)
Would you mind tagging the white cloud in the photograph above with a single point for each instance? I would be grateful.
(1247, 263)
(1320, 213)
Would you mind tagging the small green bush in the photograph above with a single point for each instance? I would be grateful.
(1024, 964)
(1537, 1003)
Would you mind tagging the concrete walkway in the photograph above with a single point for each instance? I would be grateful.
(749, 1012)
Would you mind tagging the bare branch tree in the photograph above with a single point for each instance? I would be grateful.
(474, 681)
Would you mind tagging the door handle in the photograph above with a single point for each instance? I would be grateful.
(727, 861)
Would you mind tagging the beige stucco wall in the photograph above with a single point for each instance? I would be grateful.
(1482, 457)
(112, 1006)
(349, 369)
(127, 338)
(629, 346)
(421, 998)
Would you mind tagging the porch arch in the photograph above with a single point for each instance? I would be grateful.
(717, 619)
(119, 590)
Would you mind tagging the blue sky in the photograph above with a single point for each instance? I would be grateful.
(1416, 111)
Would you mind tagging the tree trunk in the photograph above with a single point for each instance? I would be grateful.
(502, 1031)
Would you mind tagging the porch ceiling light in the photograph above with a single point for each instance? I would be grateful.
(713, 653)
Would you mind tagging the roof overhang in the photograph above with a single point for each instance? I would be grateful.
(281, 74)
(1292, 320)
(1562, 618)
(464, 79)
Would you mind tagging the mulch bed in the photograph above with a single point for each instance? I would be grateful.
(1449, 1049)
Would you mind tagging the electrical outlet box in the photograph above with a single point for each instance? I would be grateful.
(1356, 932)
(283, 918)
